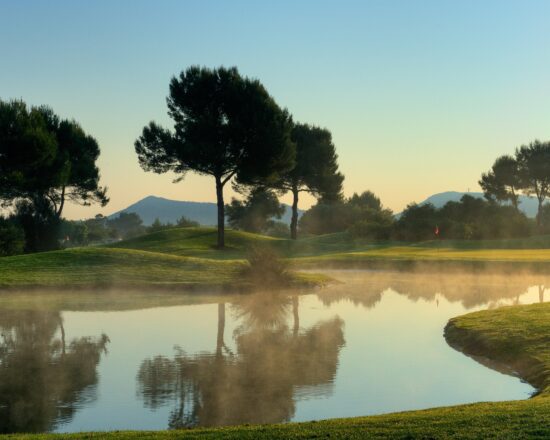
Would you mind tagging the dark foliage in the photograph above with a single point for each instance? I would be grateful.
(528, 172)
(362, 214)
(126, 224)
(45, 157)
(471, 218)
(225, 126)
(44, 162)
(316, 169)
(12, 237)
(256, 212)
(40, 223)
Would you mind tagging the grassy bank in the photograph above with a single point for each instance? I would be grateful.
(187, 257)
(105, 267)
(510, 338)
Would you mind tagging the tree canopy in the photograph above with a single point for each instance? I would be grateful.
(45, 157)
(534, 170)
(316, 169)
(225, 126)
(528, 172)
(503, 181)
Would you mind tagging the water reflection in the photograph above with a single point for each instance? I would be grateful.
(44, 374)
(260, 380)
(259, 358)
(469, 289)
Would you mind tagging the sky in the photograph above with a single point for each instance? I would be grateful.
(420, 96)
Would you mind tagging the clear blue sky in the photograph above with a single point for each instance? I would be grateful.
(420, 96)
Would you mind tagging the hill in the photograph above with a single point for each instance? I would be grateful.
(528, 205)
(169, 211)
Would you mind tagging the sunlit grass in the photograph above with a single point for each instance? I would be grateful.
(103, 266)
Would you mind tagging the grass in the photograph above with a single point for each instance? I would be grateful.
(187, 257)
(339, 247)
(104, 266)
(511, 338)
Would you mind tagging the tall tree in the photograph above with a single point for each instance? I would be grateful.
(45, 157)
(502, 182)
(225, 126)
(534, 170)
(316, 169)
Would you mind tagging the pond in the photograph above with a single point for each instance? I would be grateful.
(372, 344)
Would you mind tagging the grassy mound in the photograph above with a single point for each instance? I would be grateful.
(199, 242)
(104, 266)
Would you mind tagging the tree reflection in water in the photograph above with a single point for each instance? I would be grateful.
(43, 379)
(469, 289)
(258, 383)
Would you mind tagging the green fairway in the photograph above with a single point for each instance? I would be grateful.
(200, 242)
(188, 257)
(104, 266)
(513, 338)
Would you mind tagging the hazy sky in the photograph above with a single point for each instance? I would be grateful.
(420, 96)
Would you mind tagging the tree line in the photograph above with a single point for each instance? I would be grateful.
(230, 128)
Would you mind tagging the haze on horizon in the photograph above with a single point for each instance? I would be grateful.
(420, 96)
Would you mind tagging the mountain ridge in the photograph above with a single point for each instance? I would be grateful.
(169, 211)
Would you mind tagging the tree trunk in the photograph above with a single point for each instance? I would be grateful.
(221, 329)
(294, 221)
(515, 200)
(539, 213)
(541, 293)
(221, 213)
(61, 203)
(62, 328)
(296, 313)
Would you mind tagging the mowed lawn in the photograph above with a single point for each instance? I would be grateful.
(418, 253)
(188, 257)
(105, 266)
(517, 337)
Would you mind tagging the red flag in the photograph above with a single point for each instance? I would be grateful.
(436, 230)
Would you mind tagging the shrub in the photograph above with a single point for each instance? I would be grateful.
(265, 267)
(12, 238)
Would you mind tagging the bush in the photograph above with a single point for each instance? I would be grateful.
(265, 267)
(12, 238)
(185, 222)
(277, 229)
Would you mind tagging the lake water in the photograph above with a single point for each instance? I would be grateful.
(370, 345)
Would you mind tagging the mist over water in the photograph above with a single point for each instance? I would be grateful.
(370, 344)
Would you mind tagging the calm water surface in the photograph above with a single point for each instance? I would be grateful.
(372, 344)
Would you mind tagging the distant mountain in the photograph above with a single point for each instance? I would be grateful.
(169, 211)
(528, 205)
